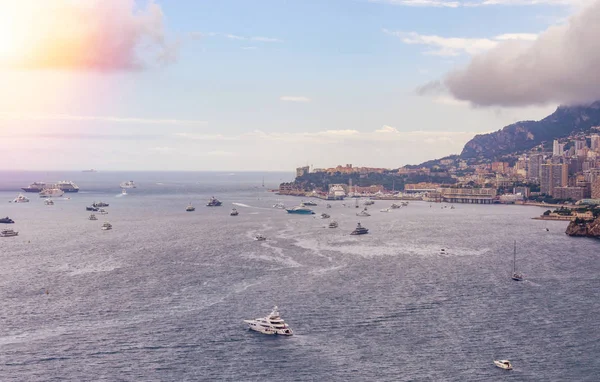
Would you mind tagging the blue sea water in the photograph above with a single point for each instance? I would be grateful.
(162, 296)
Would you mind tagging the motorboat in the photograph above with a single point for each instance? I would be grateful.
(99, 204)
(503, 364)
(91, 208)
(309, 203)
(51, 193)
(128, 184)
(369, 202)
(234, 212)
(106, 226)
(8, 233)
(103, 211)
(34, 187)
(302, 210)
(214, 202)
(395, 206)
(21, 199)
(123, 191)
(66, 186)
(328, 205)
(359, 230)
(190, 208)
(325, 216)
(6, 220)
(92, 217)
(260, 237)
(363, 213)
(385, 210)
(333, 224)
(49, 202)
(279, 205)
(272, 324)
(404, 204)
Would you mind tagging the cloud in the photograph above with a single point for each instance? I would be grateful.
(249, 48)
(100, 35)
(69, 117)
(294, 99)
(455, 46)
(560, 66)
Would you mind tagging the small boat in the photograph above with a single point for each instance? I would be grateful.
(404, 204)
(91, 208)
(272, 324)
(106, 226)
(49, 202)
(21, 199)
(279, 205)
(546, 229)
(328, 205)
(234, 212)
(359, 230)
(302, 210)
(260, 237)
(451, 207)
(92, 217)
(99, 204)
(503, 364)
(309, 203)
(363, 213)
(51, 193)
(128, 184)
(356, 203)
(325, 216)
(6, 220)
(517, 276)
(123, 191)
(395, 206)
(8, 233)
(190, 208)
(385, 210)
(103, 211)
(369, 202)
(213, 202)
(333, 224)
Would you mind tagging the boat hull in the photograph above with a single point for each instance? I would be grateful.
(32, 189)
(300, 212)
(270, 331)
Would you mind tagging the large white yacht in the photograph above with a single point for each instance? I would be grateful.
(128, 184)
(8, 233)
(51, 193)
(272, 324)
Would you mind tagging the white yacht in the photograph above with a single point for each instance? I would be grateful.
(279, 205)
(51, 193)
(49, 202)
(272, 324)
(106, 226)
(260, 237)
(128, 184)
(369, 202)
(190, 208)
(234, 212)
(21, 199)
(363, 213)
(123, 191)
(503, 364)
(395, 206)
(8, 233)
(103, 211)
(385, 210)
(92, 217)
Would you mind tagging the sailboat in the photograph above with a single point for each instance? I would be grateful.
(517, 276)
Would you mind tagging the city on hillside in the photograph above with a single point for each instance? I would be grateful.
(565, 171)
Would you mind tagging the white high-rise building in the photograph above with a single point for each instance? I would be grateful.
(595, 141)
(556, 148)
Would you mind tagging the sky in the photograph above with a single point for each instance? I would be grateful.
(234, 85)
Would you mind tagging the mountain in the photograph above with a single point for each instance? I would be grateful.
(565, 121)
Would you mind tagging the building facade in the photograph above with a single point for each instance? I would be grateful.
(553, 175)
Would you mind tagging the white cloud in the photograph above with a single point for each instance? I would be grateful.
(265, 39)
(294, 99)
(69, 117)
(455, 46)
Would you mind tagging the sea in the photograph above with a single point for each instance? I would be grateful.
(425, 296)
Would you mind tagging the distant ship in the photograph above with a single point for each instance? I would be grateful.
(302, 210)
(64, 185)
(214, 202)
(90, 170)
(128, 184)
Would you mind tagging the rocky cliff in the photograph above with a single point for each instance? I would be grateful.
(528, 134)
(582, 228)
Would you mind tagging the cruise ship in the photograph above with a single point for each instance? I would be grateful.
(67, 186)
(34, 187)
(64, 185)
(272, 324)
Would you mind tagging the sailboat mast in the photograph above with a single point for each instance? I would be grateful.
(515, 257)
